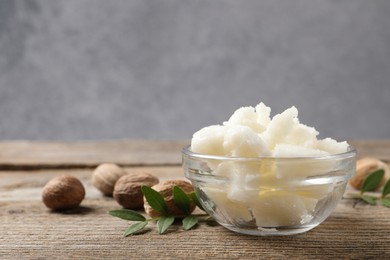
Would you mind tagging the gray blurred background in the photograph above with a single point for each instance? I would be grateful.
(162, 69)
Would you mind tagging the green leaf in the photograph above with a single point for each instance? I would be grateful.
(386, 202)
(181, 200)
(372, 180)
(164, 223)
(386, 189)
(195, 199)
(189, 222)
(155, 200)
(127, 214)
(369, 200)
(134, 228)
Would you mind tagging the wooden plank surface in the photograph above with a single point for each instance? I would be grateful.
(42, 155)
(30, 231)
(39, 155)
(372, 148)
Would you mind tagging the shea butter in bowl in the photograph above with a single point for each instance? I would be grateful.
(259, 175)
(269, 196)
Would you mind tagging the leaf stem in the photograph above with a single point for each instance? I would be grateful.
(358, 195)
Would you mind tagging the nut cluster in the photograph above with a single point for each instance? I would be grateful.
(67, 192)
(365, 167)
(124, 186)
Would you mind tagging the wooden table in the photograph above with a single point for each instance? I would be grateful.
(30, 230)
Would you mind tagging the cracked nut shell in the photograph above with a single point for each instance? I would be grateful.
(166, 190)
(365, 167)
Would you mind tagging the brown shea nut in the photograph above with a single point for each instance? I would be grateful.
(127, 189)
(105, 176)
(166, 190)
(63, 192)
(365, 167)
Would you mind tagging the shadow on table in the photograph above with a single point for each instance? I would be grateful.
(76, 211)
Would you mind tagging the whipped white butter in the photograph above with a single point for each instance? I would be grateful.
(266, 190)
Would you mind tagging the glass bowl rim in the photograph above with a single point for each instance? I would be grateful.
(346, 155)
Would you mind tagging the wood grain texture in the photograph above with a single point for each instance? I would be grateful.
(27, 185)
(31, 231)
(26, 155)
(16, 155)
(372, 148)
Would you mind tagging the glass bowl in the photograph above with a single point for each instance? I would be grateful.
(267, 195)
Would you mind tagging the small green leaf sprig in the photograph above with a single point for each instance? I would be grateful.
(370, 183)
(157, 202)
